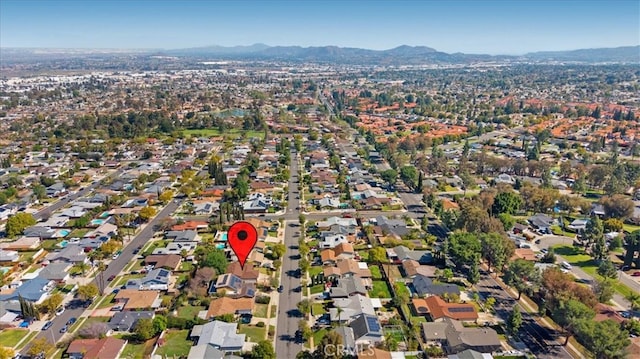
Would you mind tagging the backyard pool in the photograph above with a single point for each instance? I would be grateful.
(220, 237)
(97, 222)
(220, 246)
(104, 215)
(64, 232)
(63, 243)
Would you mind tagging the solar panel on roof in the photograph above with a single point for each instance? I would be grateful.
(373, 324)
(461, 310)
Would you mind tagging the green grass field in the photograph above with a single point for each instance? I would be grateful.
(375, 272)
(380, 290)
(175, 344)
(317, 289)
(317, 309)
(189, 311)
(11, 337)
(254, 334)
(261, 310)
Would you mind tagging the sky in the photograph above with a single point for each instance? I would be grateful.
(491, 27)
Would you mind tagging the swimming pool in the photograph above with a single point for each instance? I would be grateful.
(97, 222)
(63, 243)
(220, 246)
(64, 232)
(104, 215)
(223, 237)
(220, 237)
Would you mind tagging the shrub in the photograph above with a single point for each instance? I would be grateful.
(263, 299)
(260, 324)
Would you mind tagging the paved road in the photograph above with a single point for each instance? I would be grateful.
(540, 340)
(288, 314)
(115, 267)
(47, 211)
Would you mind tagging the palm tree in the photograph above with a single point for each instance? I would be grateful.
(101, 267)
(634, 299)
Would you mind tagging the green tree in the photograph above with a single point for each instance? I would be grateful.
(328, 347)
(144, 329)
(17, 223)
(278, 250)
(522, 275)
(166, 196)
(613, 225)
(507, 221)
(594, 231)
(159, 324)
(377, 255)
(605, 339)
(88, 291)
(607, 269)
(147, 213)
(515, 320)
(390, 176)
(39, 191)
(305, 331)
(52, 303)
(39, 346)
(212, 257)
(304, 306)
(464, 248)
(570, 314)
(263, 350)
(604, 290)
(409, 175)
(496, 249)
(506, 202)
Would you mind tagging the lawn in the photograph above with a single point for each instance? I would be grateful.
(630, 228)
(318, 288)
(106, 302)
(27, 340)
(274, 310)
(189, 311)
(261, 310)
(380, 290)
(318, 335)
(78, 233)
(375, 272)
(11, 337)
(137, 351)
(317, 309)
(254, 334)
(186, 266)
(577, 257)
(175, 344)
(314, 271)
(402, 289)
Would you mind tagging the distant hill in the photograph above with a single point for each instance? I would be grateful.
(615, 54)
(401, 55)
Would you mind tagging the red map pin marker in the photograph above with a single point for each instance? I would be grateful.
(242, 237)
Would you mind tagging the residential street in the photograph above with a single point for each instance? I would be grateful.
(288, 314)
(115, 267)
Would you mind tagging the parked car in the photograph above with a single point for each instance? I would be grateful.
(566, 265)
(280, 289)
(111, 277)
(636, 274)
(71, 320)
(47, 325)
(59, 310)
(63, 329)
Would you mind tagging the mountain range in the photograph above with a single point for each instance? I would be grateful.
(408, 55)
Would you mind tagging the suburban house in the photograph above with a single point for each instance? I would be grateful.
(248, 274)
(166, 261)
(9, 258)
(125, 321)
(105, 348)
(347, 287)
(393, 227)
(351, 307)
(366, 330)
(350, 224)
(72, 254)
(436, 308)
(424, 286)
(34, 290)
(412, 268)
(156, 279)
(455, 337)
(234, 286)
(57, 272)
(228, 305)
(400, 253)
(341, 251)
(133, 299)
(541, 222)
(330, 240)
(183, 236)
(219, 335)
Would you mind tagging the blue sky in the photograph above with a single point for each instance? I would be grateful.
(493, 27)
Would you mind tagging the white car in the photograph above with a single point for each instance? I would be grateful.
(59, 310)
(566, 265)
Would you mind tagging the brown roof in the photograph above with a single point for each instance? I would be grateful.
(351, 266)
(105, 348)
(604, 312)
(438, 308)
(169, 261)
(330, 271)
(328, 255)
(228, 305)
(413, 268)
(633, 350)
(343, 248)
(374, 353)
(137, 299)
(524, 253)
(248, 273)
(190, 225)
